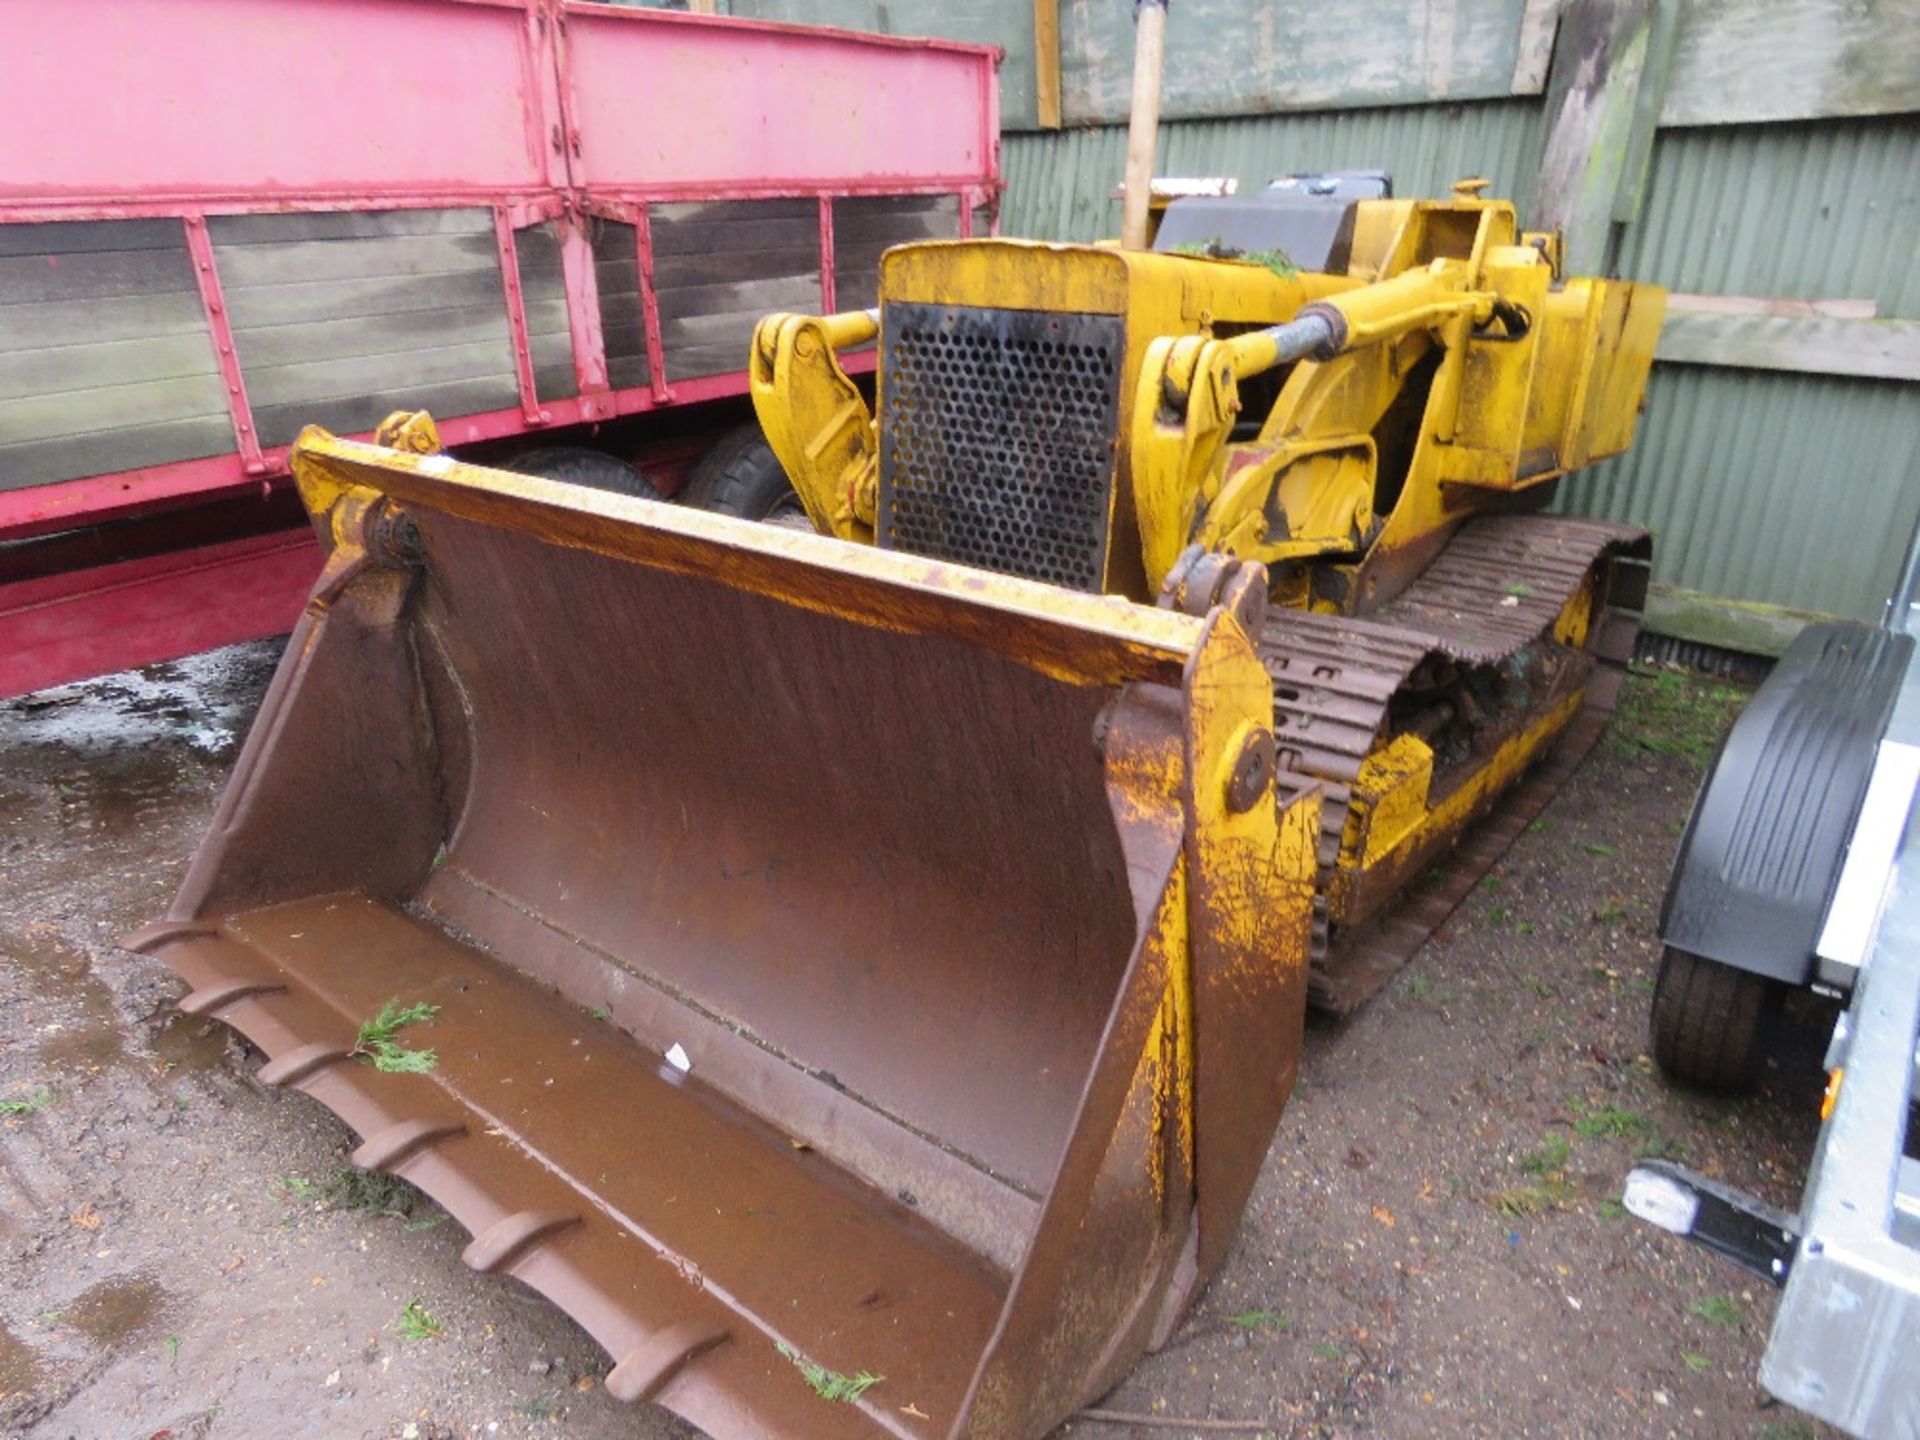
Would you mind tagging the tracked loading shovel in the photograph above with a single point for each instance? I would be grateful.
(847, 964)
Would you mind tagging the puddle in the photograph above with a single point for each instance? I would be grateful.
(204, 702)
(71, 1010)
(20, 1369)
(121, 793)
(78, 1029)
(115, 1310)
(182, 1044)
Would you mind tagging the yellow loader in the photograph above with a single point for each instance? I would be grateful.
(858, 974)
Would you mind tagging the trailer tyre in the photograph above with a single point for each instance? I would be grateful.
(577, 465)
(741, 476)
(1710, 1021)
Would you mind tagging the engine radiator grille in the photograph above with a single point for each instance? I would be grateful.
(997, 438)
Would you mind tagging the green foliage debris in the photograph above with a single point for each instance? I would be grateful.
(1259, 1320)
(1718, 1310)
(378, 1045)
(31, 1105)
(829, 1384)
(416, 1322)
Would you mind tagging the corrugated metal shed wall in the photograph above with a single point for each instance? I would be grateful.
(1794, 489)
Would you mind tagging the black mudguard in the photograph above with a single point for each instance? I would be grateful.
(1762, 852)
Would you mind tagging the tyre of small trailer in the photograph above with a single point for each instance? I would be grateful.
(741, 476)
(577, 465)
(1710, 1022)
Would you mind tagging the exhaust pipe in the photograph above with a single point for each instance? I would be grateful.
(1143, 124)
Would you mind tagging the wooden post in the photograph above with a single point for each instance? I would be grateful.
(1046, 62)
(1610, 63)
(1143, 120)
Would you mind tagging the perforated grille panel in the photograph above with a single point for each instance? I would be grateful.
(997, 438)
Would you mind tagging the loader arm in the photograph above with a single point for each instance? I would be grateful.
(815, 418)
(1307, 488)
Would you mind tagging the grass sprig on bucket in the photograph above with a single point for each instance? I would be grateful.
(378, 1045)
(829, 1384)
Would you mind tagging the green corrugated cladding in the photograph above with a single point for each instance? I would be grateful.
(1769, 485)
(1059, 183)
(1793, 489)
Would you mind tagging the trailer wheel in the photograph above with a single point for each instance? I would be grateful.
(1709, 1021)
(577, 465)
(741, 476)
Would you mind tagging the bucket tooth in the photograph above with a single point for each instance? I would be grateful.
(302, 1063)
(400, 1142)
(506, 1242)
(212, 996)
(645, 1370)
(162, 933)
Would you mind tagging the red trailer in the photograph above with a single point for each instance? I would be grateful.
(223, 220)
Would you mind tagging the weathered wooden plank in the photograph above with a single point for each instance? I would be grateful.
(57, 323)
(77, 411)
(1678, 301)
(627, 371)
(104, 451)
(350, 414)
(619, 308)
(689, 362)
(744, 235)
(1533, 52)
(941, 202)
(1649, 94)
(94, 274)
(719, 268)
(319, 381)
(1817, 344)
(1599, 58)
(1225, 57)
(387, 334)
(856, 289)
(1748, 626)
(743, 292)
(930, 222)
(673, 214)
(710, 344)
(543, 283)
(347, 225)
(776, 292)
(627, 362)
(115, 362)
(554, 379)
(1742, 61)
(339, 299)
(866, 229)
(616, 274)
(1046, 63)
(414, 257)
(74, 237)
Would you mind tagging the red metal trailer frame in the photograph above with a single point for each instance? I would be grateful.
(538, 110)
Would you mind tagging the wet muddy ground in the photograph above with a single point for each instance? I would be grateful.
(1434, 1248)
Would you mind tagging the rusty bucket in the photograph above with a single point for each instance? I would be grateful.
(859, 990)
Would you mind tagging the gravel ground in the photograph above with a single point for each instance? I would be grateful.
(1433, 1249)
